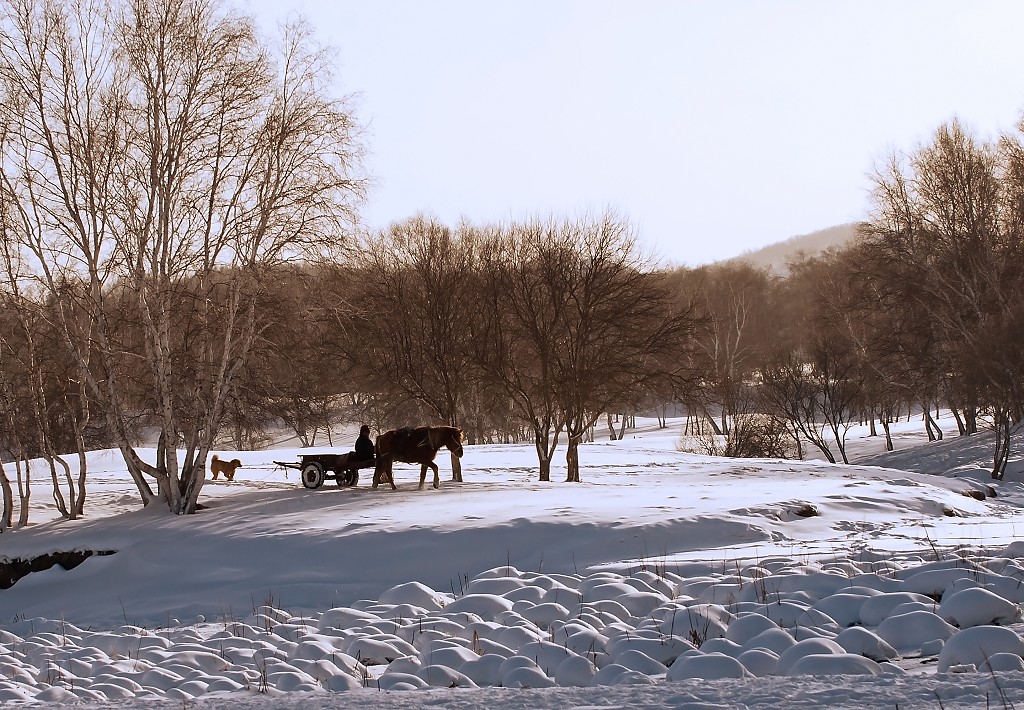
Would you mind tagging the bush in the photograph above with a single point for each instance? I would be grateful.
(751, 436)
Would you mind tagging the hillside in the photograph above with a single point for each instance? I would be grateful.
(776, 255)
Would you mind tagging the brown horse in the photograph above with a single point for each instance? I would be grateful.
(414, 445)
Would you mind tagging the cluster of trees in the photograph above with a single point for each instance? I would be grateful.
(925, 309)
(179, 265)
(516, 332)
(159, 163)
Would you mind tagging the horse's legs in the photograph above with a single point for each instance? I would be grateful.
(437, 481)
(423, 476)
(382, 472)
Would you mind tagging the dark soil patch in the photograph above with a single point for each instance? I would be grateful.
(13, 570)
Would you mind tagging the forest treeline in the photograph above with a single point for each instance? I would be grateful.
(181, 264)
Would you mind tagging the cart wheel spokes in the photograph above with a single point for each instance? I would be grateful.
(313, 476)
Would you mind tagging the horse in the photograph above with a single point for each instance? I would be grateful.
(414, 445)
(228, 468)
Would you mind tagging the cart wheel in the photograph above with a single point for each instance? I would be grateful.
(313, 476)
(347, 477)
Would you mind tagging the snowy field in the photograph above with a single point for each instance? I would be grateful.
(664, 580)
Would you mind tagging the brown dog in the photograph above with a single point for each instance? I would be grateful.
(226, 467)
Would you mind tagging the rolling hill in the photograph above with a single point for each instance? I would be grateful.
(776, 255)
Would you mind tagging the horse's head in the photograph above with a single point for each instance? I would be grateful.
(454, 442)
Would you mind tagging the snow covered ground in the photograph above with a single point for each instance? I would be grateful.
(665, 579)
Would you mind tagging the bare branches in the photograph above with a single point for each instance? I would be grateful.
(944, 245)
(166, 161)
(572, 322)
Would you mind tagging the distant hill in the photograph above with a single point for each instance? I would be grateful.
(776, 255)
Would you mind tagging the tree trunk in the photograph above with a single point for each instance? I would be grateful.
(24, 489)
(7, 516)
(934, 433)
(58, 497)
(540, 439)
(971, 419)
(1002, 449)
(136, 467)
(572, 459)
(192, 476)
(714, 425)
(961, 429)
(78, 424)
(888, 435)
(611, 427)
(72, 510)
(840, 442)
(927, 418)
(545, 470)
(622, 425)
(82, 470)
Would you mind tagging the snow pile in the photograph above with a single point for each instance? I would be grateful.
(516, 629)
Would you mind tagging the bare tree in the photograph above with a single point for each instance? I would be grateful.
(945, 237)
(622, 331)
(834, 340)
(573, 322)
(11, 446)
(791, 394)
(285, 380)
(25, 341)
(7, 514)
(518, 324)
(407, 334)
(165, 161)
(736, 300)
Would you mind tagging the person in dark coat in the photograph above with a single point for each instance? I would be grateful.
(364, 446)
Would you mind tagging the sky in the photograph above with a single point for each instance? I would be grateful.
(649, 585)
(715, 126)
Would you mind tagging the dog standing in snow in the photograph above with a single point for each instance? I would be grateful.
(226, 467)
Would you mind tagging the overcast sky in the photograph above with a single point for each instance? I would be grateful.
(717, 126)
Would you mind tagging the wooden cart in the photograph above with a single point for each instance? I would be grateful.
(317, 468)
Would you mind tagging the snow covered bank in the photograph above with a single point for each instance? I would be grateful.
(665, 579)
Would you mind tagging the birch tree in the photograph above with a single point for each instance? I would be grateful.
(735, 298)
(166, 162)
